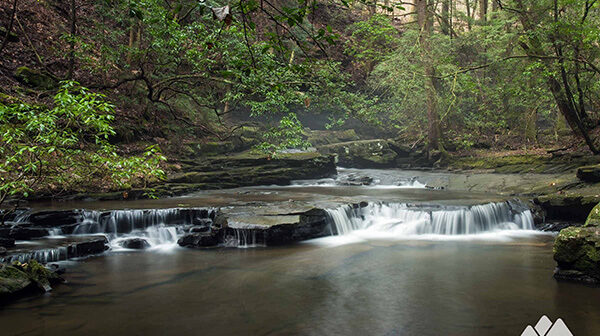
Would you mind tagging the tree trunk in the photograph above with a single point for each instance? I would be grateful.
(445, 24)
(10, 25)
(483, 9)
(425, 22)
(468, 7)
(562, 95)
(72, 42)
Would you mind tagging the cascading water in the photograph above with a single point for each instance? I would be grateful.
(156, 226)
(405, 220)
(244, 235)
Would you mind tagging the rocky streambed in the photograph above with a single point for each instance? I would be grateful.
(362, 204)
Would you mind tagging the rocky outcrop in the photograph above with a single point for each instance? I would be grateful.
(34, 78)
(589, 173)
(23, 278)
(362, 154)
(577, 251)
(251, 170)
(320, 138)
(567, 207)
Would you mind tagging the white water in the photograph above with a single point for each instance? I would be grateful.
(161, 228)
(400, 221)
(380, 178)
(245, 235)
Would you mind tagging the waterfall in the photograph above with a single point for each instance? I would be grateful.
(156, 226)
(405, 220)
(42, 256)
(243, 235)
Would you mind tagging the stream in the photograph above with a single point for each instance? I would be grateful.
(409, 260)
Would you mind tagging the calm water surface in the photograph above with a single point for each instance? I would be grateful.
(368, 288)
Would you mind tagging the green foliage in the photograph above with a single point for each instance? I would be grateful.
(372, 40)
(287, 135)
(66, 147)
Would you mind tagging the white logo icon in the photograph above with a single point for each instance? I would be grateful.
(545, 327)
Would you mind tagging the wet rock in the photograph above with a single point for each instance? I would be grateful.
(21, 232)
(589, 173)
(577, 251)
(22, 278)
(568, 207)
(310, 224)
(356, 180)
(362, 154)
(202, 239)
(205, 222)
(199, 229)
(57, 218)
(135, 243)
(2, 251)
(7, 242)
(82, 249)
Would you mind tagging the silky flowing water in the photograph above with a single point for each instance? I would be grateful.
(445, 263)
(369, 288)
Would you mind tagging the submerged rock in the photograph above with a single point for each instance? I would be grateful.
(577, 251)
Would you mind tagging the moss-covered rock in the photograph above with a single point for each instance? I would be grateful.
(577, 251)
(573, 207)
(589, 173)
(320, 138)
(248, 169)
(34, 78)
(18, 279)
(362, 154)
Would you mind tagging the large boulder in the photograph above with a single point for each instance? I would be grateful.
(34, 78)
(362, 154)
(577, 251)
(18, 279)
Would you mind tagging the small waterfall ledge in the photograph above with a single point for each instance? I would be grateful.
(50, 236)
(399, 219)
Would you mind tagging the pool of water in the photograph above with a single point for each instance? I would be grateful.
(371, 287)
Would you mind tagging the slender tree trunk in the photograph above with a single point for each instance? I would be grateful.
(425, 22)
(445, 25)
(372, 7)
(483, 9)
(468, 7)
(562, 95)
(72, 42)
(10, 25)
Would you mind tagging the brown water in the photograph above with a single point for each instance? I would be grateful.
(371, 288)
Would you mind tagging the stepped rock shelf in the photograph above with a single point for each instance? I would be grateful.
(49, 236)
